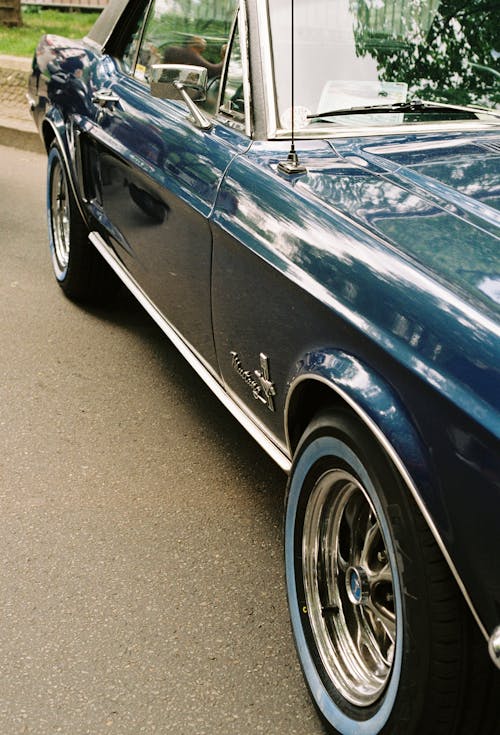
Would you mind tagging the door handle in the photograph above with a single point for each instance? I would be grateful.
(105, 98)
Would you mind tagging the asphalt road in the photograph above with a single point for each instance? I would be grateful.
(140, 527)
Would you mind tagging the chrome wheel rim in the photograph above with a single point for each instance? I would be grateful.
(60, 216)
(349, 590)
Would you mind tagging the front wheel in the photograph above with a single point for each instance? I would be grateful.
(382, 634)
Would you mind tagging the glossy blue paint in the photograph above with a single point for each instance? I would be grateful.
(317, 276)
(159, 180)
(376, 272)
(335, 253)
(154, 178)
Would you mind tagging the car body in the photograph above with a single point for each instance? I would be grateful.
(334, 278)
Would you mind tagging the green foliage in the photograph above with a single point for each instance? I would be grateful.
(22, 41)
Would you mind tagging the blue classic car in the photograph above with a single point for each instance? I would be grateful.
(305, 197)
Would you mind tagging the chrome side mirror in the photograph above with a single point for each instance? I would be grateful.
(181, 81)
(168, 80)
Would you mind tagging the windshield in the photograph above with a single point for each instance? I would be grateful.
(358, 53)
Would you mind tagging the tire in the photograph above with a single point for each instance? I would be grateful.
(79, 269)
(384, 639)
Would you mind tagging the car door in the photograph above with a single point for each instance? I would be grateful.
(158, 174)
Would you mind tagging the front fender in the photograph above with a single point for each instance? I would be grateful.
(377, 405)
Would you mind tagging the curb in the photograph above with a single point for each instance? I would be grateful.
(16, 63)
(17, 128)
(14, 136)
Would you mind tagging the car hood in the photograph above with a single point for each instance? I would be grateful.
(436, 199)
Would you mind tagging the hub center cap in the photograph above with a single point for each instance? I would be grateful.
(358, 588)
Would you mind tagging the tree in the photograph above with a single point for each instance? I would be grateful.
(10, 13)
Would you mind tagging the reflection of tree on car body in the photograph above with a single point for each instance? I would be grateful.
(68, 82)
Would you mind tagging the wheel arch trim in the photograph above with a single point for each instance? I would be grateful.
(339, 372)
(56, 125)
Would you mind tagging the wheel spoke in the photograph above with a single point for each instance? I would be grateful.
(372, 534)
(381, 575)
(347, 531)
(353, 516)
(370, 644)
(385, 617)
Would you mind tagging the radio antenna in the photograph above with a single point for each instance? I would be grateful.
(292, 166)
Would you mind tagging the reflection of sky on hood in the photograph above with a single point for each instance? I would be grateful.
(443, 213)
(490, 285)
(339, 254)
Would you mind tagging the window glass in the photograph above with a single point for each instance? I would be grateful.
(187, 32)
(130, 52)
(232, 99)
(357, 53)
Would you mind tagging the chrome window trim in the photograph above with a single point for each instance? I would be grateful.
(447, 126)
(114, 11)
(245, 59)
(147, 13)
(267, 66)
(401, 468)
(225, 68)
(271, 445)
(223, 115)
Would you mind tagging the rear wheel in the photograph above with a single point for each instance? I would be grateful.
(78, 267)
(382, 633)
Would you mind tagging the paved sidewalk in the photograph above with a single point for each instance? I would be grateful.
(17, 128)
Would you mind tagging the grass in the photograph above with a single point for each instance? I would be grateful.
(22, 41)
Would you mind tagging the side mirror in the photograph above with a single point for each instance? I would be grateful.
(181, 81)
(168, 81)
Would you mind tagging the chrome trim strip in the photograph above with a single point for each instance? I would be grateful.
(267, 67)
(196, 362)
(395, 458)
(494, 646)
(242, 21)
(353, 131)
(256, 422)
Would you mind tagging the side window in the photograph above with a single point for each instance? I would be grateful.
(129, 54)
(194, 33)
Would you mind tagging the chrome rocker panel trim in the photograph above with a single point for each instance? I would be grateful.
(277, 453)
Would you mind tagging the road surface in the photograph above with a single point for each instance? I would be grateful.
(140, 541)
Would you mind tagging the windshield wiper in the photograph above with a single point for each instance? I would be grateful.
(416, 106)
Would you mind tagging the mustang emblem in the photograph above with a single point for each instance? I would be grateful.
(260, 382)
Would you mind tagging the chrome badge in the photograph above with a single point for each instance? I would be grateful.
(259, 382)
